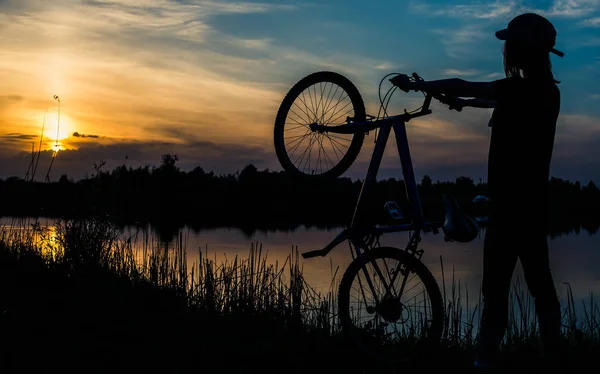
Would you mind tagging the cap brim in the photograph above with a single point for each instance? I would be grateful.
(557, 52)
(502, 34)
(505, 33)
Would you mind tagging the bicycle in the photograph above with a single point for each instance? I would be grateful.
(380, 337)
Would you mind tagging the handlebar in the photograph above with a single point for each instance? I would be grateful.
(452, 102)
(352, 126)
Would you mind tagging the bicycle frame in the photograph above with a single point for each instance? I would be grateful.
(357, 229)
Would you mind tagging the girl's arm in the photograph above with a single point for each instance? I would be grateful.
(455, 87)
(458, 88)
(457, 103)
(480, 103)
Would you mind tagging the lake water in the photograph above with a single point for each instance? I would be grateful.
(574, 257)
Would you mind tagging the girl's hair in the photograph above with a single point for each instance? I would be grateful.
(523, 60)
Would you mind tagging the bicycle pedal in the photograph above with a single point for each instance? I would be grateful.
(393, 210)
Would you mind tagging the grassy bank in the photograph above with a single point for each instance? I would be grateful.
(83, 298)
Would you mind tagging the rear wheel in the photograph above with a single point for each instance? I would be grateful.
(403, 317)
(324, 98)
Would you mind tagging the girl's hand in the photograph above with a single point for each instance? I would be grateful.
(403, 82)
(454, 103)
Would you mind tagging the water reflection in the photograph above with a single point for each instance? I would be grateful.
(42, 232)
(574, 257)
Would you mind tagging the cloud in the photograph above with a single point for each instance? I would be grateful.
(78, 135)
(460, 43)
(493, 76)
(8, 101)
(571, 8)
(135, 62)
(477, 19)
(188, 20)
(576, 135)
(11, 98)
(592, 41)
(223, 158)
(460, 73)
(18, 136)
(444, 145)
(591, 22)
(477, 10)
(387, 66)
(577, 141)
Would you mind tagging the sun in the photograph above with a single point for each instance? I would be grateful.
(55, 132)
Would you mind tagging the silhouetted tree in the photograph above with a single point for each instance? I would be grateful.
(167, 163)
(426, 182)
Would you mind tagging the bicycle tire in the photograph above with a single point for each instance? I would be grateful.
(294, 93)
(434, 331)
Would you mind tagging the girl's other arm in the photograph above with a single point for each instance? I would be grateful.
(458, 103)
(452, 87)
(480, 103)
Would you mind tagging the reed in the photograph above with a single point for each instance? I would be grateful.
(85, 294)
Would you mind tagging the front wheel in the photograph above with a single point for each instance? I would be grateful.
(324, 98)
(390, 305)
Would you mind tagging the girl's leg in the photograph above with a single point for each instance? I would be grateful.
(499, 260)
(536, 267)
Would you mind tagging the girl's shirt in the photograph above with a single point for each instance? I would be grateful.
(523, 129)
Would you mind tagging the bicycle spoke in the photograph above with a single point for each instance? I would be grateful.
(327, 101)
(310, 144)
(308, 111)
(300, 142)
(337, 137)
(317, 108)
(312, 105)
(299, 116)
(345, 114)
(317, 100)
(335, 143)
(415, 307)
(325, 152)
(335, 107)
(333, 147)
(297, 127)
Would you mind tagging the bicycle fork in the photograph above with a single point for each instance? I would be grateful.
(390, 289)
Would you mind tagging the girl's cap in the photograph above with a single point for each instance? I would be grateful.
(532, 28)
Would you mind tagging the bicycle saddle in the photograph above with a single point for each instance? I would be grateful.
(458, 226)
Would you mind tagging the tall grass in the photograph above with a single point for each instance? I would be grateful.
(113, 300)
(84, 273)
(463, 316)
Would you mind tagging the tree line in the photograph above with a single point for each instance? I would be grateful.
(167, 196)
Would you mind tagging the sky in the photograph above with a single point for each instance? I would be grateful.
(203, 79)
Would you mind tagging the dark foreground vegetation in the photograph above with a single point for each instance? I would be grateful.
(82, 299)
(170, 198)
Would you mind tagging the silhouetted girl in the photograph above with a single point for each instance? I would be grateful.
(527, 104)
